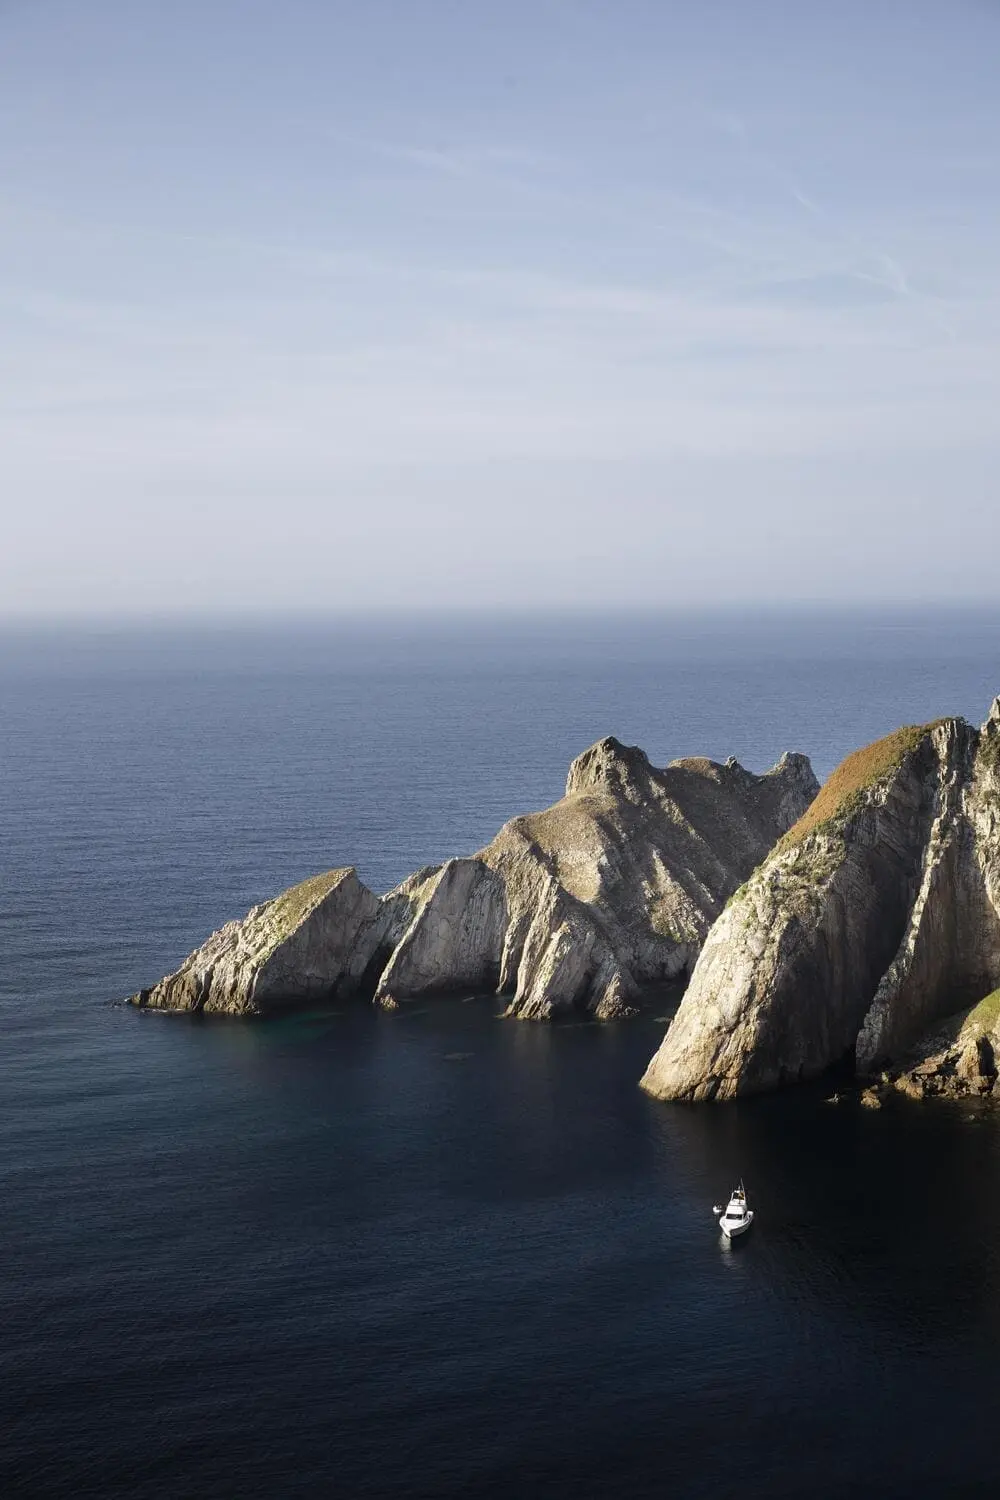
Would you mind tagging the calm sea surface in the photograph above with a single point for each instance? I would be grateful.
(435, 1253)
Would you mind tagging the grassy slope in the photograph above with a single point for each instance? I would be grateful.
(985, 1016)
(286, 911)
(842, 791)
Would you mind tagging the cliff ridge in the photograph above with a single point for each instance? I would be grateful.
(575, 907)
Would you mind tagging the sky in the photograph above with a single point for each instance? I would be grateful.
(543, 304)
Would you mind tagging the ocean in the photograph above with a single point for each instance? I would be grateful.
(437, 1253)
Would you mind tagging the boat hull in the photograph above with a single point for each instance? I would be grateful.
(731, 1231)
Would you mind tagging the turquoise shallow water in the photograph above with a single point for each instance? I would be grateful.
(437, 1253)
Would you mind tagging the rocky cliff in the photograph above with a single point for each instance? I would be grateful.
(613, 887)
(956, 1059)
(305, 943)
(877, 914)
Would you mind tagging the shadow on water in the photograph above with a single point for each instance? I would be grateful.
(481, 1236)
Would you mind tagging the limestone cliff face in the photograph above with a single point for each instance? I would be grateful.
(877, 914)
(308, 941)
(616, 885)
(613, 887)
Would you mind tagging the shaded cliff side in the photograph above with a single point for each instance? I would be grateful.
(876, 915)
(578, 906)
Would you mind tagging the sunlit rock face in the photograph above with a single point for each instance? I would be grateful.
(576, 907)
(307, 942)
(876, 915)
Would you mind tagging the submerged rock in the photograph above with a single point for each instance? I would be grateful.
(575, 907)
(876, 914)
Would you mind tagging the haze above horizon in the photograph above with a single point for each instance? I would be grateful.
(557, 305)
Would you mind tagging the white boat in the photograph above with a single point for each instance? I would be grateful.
(737, 1216)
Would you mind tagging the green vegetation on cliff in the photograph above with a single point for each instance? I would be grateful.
(285, 912)
(842, 792)
(989, 752)
(985, 1016)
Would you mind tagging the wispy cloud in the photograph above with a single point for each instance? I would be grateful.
(469, 160)
(867, 261)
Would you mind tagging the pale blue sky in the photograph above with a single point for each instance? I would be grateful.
(552, 304)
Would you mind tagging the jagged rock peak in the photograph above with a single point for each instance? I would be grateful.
(626, 770)
(610, 766)
(573, 907)
(794, 764)
(878, 912)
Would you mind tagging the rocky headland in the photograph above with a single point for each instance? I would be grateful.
(577, 907)
(870, 932)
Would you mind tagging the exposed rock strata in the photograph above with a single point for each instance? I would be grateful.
(306, 942)
(613, 887)
(956, 1060)
(876, 915)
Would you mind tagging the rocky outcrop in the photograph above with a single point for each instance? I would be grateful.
(576, 907)
(310, 940)
(956, 1060)
(878, 913)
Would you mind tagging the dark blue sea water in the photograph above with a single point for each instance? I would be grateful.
(437, 1253)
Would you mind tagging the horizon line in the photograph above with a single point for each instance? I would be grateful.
(398, 614)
